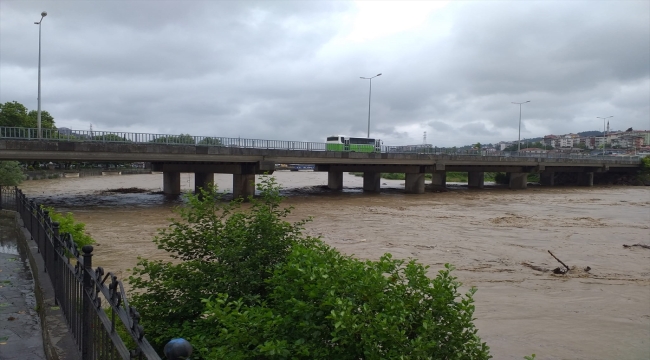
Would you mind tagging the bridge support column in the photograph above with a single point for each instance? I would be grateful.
(547, 178)
(518, 180)
(172, 183)
(335, 180)
(586, 179)
(371, 181)
(414, 183)
(476, 179)
(202, 180)
(438, 180)
(243, 185)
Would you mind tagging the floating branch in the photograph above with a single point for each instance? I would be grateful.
(560, 261)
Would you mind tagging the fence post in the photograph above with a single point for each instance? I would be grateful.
(42, 232)
(86, 319)
(31, 222)
(55, 274)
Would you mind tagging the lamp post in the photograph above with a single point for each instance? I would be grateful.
(369, 95)
(604, 131)
(38, 113)
(519, 137)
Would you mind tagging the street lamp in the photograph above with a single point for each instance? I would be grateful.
(604, 131)
(38, 116)
(519, 138)
(369, 95)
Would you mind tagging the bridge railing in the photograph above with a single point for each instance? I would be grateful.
(93, 301)
(186, 139)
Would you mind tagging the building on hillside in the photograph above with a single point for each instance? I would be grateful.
(551, 141)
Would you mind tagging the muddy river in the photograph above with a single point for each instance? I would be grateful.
(497, 238)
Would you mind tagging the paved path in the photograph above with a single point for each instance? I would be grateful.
(20, 327)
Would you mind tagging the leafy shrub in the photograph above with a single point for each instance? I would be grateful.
(325, 305)
(67, 224)
(10, 173)
(249, 285)
(223, 249)
(501, 178)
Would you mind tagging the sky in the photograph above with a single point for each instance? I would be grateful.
(291, 70)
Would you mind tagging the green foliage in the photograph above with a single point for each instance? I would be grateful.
(222, 248)
(67, 224)
(175, 139)
(501, 178)
(10, 173)
(15, 114)
(210, 141)
(532, 357)
(645, 165)
(326, 305)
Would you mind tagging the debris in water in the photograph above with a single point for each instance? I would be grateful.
(639, 245)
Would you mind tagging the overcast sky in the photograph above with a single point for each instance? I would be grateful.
(291, 70)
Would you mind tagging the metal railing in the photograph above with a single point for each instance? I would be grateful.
(186, 139)
(93, 302)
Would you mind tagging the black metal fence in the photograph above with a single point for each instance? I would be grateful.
(93, 301)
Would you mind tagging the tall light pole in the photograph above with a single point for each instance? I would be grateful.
(369, 95)
(519, 137)
(604, 131)
(38, 114)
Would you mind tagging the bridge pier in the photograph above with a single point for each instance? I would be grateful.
(518, 180)
(476, 179)
(414, 183)
(547, 178)
(243, 185)
(438, 180)
(202, 180)
(172, 183)
(335, 180)
(372, 181)
(586, 179)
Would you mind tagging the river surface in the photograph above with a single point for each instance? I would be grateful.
(495, 237)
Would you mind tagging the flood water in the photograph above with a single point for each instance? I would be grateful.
(497, 238)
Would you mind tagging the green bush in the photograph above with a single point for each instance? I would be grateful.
(501, 178)
(223, 249)
(10, 173)
(67, 224)
(326, 305)
(250, 285)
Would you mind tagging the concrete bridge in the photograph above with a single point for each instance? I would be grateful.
(243, 162)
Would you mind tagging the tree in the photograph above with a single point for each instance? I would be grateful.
(10, 173)
(477, 146)
(15, 114)
(175, 139)
(210, 141)
(246, 284)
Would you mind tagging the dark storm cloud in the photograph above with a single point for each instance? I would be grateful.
(286, 70)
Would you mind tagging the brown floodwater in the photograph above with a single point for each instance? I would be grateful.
(497, 238)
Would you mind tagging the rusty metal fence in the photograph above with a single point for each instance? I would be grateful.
(93, 301)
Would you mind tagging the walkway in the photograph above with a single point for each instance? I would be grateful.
(20, 327)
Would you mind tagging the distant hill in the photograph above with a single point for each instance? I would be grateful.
(590, 133)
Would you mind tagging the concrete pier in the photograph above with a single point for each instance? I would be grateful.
(243, 185)
(518, 180)
(171, 183)
(202, 180)
(476, 179)
(586, 179)
(547, 178)
(335, 180)
(438, 180)
(414, 183)
(371, 181)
